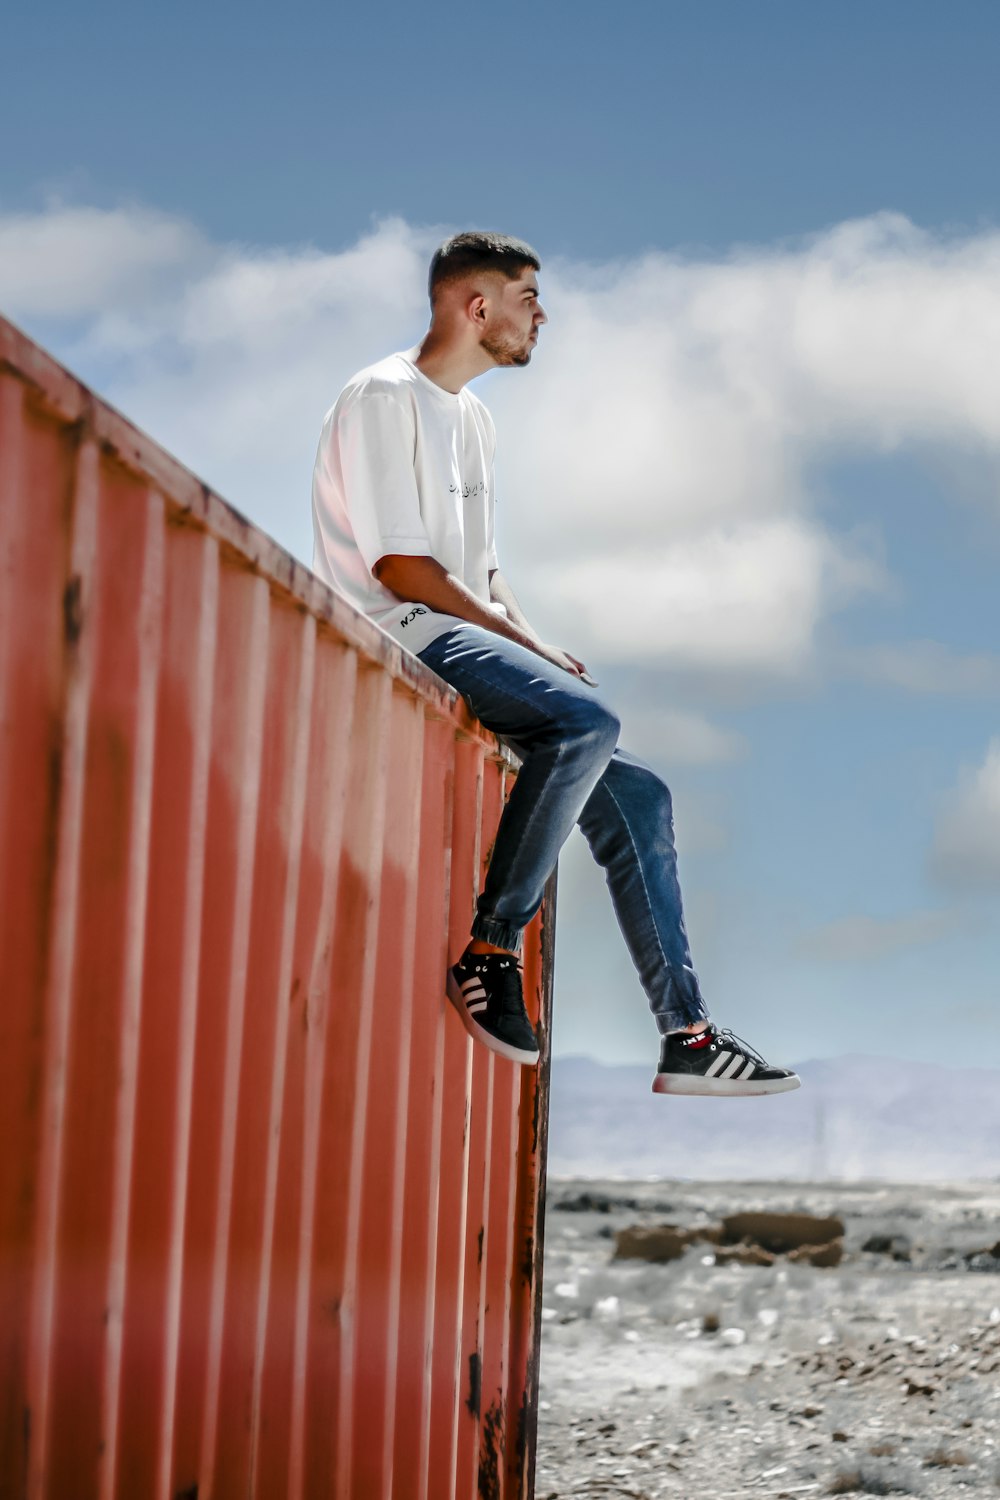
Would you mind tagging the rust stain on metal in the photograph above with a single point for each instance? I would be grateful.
(527, 1420)
(73, 610)
(491, 1452)
(475, 1383)
(536, 1111)
(528, 1258)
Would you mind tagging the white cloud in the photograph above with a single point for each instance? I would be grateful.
(864, 938)
(653, 462)
(966, 849)
(927, 667)
(676, 736)
(85, 262)
(700, 391)
(744, 596)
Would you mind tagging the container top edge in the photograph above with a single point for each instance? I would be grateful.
(192, 501)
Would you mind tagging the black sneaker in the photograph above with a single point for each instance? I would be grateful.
(485, 989)
(717, 1063)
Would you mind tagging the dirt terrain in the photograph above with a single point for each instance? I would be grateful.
(706, 1377)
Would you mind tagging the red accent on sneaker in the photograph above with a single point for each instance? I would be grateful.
(701, 1040)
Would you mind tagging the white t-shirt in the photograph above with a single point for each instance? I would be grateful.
(404, 466)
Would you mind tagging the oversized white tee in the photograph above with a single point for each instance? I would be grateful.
(404, 466)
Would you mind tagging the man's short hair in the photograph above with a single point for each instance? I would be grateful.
(479, 250)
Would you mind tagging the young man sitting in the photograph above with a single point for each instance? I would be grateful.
(403, 511)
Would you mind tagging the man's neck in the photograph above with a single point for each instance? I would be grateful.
(448, 366)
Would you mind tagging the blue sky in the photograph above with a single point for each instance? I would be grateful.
(770, 241)
(594, 130)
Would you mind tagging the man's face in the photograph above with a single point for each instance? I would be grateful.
(516, 316)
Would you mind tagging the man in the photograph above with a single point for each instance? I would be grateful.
(403, 512)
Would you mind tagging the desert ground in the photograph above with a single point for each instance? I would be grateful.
(734, 1369)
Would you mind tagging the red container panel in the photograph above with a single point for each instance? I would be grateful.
(270, 1222)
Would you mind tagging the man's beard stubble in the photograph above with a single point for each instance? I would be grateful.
(505, 347)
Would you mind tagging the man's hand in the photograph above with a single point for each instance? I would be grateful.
(500, 589)
(567, 662)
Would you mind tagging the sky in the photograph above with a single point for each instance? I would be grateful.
(751, 477)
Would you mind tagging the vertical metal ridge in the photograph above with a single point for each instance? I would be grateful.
(502, 1133)
(423, 1471)
(149, 625)
(539, 984)
(466, 1390)
(296, 818)
(476, 1255)
(370, 819)
(193, 886)
(514, 1154)
(516, 1150)
(421, 1140)
(12, 443)
(495, 1294)
(21, 1059)
(260, 1131)
(246, 847)
(450, 1388)
(523, 1336)
(488, 1073)
(332, 809)
(410, 753)
(476, 1189)
(63, 941)
(456, 1089)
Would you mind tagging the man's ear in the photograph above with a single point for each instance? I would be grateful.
(476, 309)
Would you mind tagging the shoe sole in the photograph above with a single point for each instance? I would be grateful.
(479, 1034)
(691, 1085)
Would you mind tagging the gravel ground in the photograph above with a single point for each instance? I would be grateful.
(880, 1376)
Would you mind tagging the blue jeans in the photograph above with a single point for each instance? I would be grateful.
(573, 771)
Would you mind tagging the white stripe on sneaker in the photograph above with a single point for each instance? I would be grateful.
(749, 1070)
(479, 994)
(469, 983)
(719, 1062)
(734, 1066)
(482, 1005)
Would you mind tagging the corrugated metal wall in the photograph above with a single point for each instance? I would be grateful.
(270, 1220)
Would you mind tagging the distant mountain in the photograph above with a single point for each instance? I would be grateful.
(855, 1117)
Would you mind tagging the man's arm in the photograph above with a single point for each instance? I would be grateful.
(425, 581)
(501, 591)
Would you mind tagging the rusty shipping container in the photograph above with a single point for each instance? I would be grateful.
(271, 1222)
